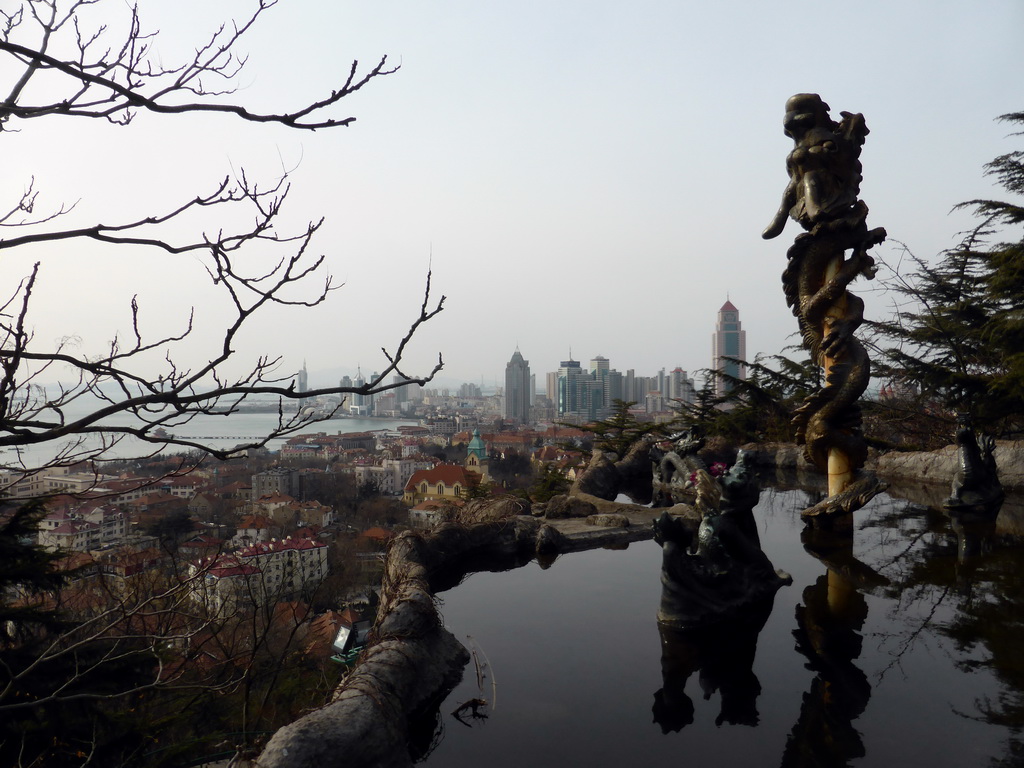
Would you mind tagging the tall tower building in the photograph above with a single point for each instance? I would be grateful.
(569, 374)
(551, 387)
(729, 340)
(402, 392)
(371, 399)
(302, 385)
(359, 404)
(518, 386)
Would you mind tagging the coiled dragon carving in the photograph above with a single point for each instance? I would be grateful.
(822, 196)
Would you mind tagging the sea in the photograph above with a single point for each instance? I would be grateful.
(216, 431)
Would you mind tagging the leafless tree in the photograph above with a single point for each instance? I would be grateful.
(75, 58)
(61, 58)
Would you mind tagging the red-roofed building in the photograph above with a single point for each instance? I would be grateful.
(445, 481)
(266, 571)
(378, 535)
(255, 528)
(86, 527)
(201, 545)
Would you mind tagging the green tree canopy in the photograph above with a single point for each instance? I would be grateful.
(757, 408)
(957, 336)
(621, 430)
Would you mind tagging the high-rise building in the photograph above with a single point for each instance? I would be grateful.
(551, 387)
(518, 386)
(680, 386)
(302, 385)
(402, 392)
(371, 399)
(359, 404)
(613, 388)
(729, 340)
(569, 373)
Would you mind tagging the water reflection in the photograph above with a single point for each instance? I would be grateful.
(902, 643)
(724, 657)
(828, 635)
(829, 622)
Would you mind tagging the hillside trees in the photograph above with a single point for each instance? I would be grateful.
(957, 336)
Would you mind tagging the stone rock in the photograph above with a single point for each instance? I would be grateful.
(635, 471)
(934, 467)
(561, 507)
(601, 478)
(501, 508)
(550, 541)
(410, 658)
(717, 449)
(366, 722)
(608, 521)
(930, 467)
(1010, 460)
(780, 455)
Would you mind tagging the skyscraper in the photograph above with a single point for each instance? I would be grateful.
(518, 386)
(729, 340)
(569, 374)
(302, 385)
(359, 404)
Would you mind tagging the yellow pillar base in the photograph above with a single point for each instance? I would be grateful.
(840, 472)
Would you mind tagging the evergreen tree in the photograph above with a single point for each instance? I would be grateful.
(957, 338)
(56, 671)
(620, 431)
(28, 575)
(1005, 278)
(757, 408)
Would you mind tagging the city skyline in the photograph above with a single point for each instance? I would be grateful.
(620, 161)
(728, 339)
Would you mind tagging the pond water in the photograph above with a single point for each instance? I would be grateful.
(908, 650)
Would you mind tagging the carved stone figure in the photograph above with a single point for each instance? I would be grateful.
(825, 174)
(740, 493)
(716, 574)
(976, 486)
(740, 488)
(673, 469)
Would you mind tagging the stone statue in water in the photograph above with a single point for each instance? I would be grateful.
(716, 574)
(674, 468)
(976, 486)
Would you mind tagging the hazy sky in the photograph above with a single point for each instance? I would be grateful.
(586, 175)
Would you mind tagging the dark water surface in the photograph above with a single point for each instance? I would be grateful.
(914, 656)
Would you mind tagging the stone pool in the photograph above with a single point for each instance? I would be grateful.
(906, 649)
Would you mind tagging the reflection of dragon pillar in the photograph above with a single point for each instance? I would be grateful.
(825, 174)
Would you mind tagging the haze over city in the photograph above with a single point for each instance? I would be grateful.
(585, 176)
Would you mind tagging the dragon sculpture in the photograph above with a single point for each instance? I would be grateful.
(822, 196)
(673, 469)
(976, 486)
